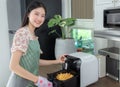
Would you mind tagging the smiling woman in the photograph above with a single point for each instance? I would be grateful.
(25, 50)
(46, 41)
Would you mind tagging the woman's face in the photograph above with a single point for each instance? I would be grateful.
(37, 17)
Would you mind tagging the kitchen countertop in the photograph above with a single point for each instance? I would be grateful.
(111, 34)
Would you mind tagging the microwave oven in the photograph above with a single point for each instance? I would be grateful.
(111, 18)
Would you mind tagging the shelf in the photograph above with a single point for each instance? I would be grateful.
(114, 52)
(112, 34)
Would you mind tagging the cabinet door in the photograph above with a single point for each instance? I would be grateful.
(117, 3)
(99, 2)
(98, 15)
(112, 67)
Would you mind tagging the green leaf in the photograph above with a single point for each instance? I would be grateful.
(53, 31)
(52, 22)
(62, 24)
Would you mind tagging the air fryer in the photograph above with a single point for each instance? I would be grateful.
(71, 65)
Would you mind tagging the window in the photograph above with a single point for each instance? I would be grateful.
(83, 39)
(82, 9)
(84, 34)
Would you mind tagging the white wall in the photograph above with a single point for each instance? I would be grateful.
(13, 14)
(4, 45)
(66, 8)
(85, 23)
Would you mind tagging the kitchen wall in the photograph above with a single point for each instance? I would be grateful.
(14, 17)
(13, 14)
(4, 45)
(85, 23)
(66, 8)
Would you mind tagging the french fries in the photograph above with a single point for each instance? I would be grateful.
(64, 76)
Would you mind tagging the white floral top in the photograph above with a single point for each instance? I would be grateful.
(21, 40)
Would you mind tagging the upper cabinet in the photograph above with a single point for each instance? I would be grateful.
(99, 2)
(82, 9)
(99, 7)
(117, 2)
(113, 2)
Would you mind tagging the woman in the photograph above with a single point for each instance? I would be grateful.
(25, 51)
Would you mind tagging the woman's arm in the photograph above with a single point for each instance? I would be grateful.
(50, 62)
(16, 68)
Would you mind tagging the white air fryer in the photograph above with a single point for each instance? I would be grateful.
(88, 68)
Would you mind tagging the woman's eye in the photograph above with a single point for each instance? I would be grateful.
(43, 16)
(36, 14)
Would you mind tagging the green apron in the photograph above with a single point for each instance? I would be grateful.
(30, 62)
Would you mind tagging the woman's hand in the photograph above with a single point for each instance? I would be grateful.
(61, 59)
(43, 82)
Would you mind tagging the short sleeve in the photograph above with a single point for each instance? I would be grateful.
(20, 41)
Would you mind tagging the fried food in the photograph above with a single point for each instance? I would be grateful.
(64, 76)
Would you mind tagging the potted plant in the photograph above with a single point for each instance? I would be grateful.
(63, 23)
(64, 44)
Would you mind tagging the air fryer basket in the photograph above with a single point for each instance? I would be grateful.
(72, 82)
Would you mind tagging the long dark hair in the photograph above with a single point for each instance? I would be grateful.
(33, 5)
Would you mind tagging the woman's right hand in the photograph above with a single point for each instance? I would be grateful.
(61, 59)
(43, 82)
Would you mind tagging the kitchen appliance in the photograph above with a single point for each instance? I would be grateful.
(88, 68)
(83, 66)
(71, 66)
(112, 61)
(111, 25)
(112, 18)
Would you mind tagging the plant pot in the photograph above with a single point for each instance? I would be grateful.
(64, 46)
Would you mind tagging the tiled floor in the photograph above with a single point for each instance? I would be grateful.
(105, 82)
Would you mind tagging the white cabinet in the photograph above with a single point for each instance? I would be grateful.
(98, 16)
(113, 2)
(100, 5)
(117, 3)
(101, 2)
(101, 65)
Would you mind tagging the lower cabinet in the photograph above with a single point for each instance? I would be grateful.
(112, 67)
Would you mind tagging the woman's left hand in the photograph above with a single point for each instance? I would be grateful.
(43, 82)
